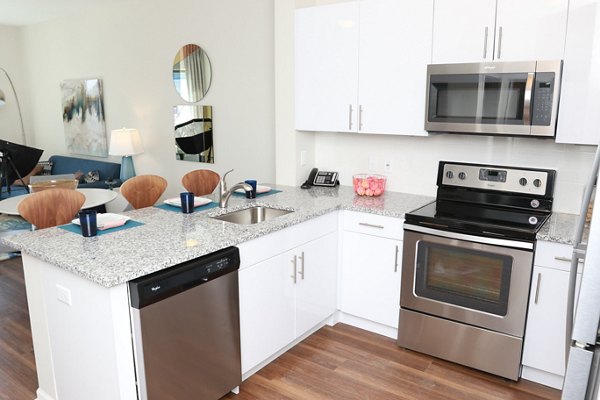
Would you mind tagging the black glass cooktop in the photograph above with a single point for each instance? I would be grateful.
(488, 221)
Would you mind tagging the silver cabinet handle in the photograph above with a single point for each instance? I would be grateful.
(537, 288)
(499, 42)
(558, 258)
(295, 263)
(301, 266)
(485, 40)
(371, 225)
(396, 260)
(360, 124)
(349, 117)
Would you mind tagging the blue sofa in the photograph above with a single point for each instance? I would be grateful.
(70, 165)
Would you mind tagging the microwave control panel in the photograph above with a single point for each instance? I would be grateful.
(543, 89)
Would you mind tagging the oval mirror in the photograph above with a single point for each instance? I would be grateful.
(192, 73)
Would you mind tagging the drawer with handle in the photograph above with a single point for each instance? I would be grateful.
(372, 224)
(554, 255)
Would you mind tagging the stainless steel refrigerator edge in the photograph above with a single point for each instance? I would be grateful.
(581, 378)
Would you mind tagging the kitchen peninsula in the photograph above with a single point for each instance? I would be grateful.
(77, 292)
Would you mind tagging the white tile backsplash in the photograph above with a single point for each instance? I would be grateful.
(415, 159)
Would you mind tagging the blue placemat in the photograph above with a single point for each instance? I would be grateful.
(178, 209)
(272, 191)
(77, 229)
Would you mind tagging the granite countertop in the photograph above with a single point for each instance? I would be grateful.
(560, 228)
(167, 238)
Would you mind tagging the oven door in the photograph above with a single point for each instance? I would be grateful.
(478, 281)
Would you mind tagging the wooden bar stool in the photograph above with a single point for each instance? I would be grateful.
(143, 190)
(200, 182)
(51, 207)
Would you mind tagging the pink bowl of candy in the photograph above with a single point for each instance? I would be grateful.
(368, 185)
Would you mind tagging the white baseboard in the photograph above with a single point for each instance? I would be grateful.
(367, 325)
(41, 395)
(542, 377)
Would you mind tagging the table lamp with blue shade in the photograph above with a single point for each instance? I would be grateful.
(126, 142)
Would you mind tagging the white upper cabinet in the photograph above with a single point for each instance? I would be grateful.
(579, 111)
(502, 30)
(326, 70)
(395, 48)
(361, 66)
(463, 30)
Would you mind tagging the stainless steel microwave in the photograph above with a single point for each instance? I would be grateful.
(496, 98)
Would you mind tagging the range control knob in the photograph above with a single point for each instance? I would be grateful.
(537, 183)
(462, 176)
(449, 174)
(523, 181)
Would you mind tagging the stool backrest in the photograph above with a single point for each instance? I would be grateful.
(51, 207)
(200, 182)
(143, 190)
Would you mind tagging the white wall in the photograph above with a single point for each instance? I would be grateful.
(10, 60)
(131, 48)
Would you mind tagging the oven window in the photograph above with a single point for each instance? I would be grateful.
(469, 278)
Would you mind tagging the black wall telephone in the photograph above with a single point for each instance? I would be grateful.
(320, 178)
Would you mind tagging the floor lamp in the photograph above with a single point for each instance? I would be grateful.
(3, 101)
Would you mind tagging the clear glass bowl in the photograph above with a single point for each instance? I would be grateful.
(369, 184)
(53, 184)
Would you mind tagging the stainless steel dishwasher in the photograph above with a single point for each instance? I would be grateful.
(186, 329)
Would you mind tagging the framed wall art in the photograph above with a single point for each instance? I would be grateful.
(83, 117)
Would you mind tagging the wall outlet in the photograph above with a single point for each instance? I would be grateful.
(63, 294)
(303, 158)
(373, 163)
(387, 165)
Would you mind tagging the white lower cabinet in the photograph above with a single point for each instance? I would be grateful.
(371, 263)
(286, 295)
(545, 334)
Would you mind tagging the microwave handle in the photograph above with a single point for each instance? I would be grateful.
(527, 102)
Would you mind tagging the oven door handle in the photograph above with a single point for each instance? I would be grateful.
(471, 238)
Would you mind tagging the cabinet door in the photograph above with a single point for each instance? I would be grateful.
(266, 309)
(531, 30)
(316, 287)
(579, 119)
(395, 48)
(544, 346)
(326, 67)
(463, 30)
(371, 277)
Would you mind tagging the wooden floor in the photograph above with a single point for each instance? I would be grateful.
(344, 362)
(18, 379)
(340, 362)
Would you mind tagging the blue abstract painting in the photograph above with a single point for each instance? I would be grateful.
(83, 117)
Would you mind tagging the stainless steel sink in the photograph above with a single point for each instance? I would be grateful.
(252, 215)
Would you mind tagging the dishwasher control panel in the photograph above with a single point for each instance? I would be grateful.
(165, 283)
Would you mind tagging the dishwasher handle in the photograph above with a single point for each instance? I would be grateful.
(179, 278)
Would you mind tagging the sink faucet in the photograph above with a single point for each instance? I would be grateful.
(225, 194)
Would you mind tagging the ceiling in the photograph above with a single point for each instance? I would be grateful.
(28, 12)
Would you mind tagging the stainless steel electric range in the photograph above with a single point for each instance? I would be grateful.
(467, 265)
